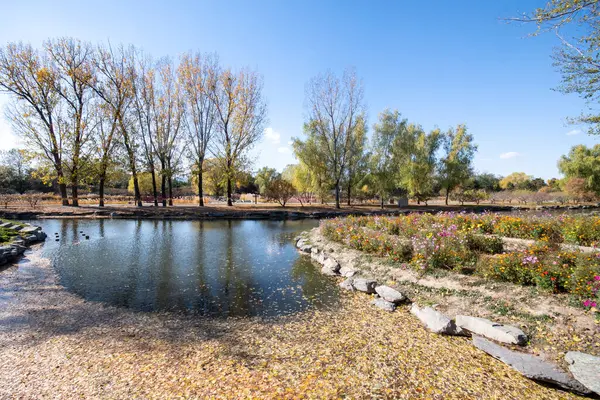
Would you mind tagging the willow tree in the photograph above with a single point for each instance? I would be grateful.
(456, 165)
(335, 117)
(387, 133)
(416, 152)
(310, 155)
(197, 76)
(29, 77)
(116, 73)
(358, 159)
(582, 162)
(241, 115)
(301, 179)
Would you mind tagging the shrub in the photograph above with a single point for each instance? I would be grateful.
(484, 244)
(507, 267)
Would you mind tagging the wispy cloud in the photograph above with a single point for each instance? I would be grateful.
(283, 150)
(574, 132)
(272, 136)
(510, 154)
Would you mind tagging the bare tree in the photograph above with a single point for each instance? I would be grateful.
(169, 117)
(145, 112)
(197, 77)
(335, 113)
(241, 115)
(104, 143)
(116, 70)
(74, 71)
(31, 80)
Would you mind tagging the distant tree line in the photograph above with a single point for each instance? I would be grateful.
(111, 119)
(86, 113)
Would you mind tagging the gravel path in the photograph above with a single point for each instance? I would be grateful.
(55, 345)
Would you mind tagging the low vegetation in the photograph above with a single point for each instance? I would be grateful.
(472, 244)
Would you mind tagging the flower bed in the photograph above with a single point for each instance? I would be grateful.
(457, 242)
(576, 229)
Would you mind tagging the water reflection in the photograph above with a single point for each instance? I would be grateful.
(215, 268)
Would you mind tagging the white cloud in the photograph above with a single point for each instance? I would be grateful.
(574, 132)
(290, 143)
(510, 154)
(283, 150)
(272, 136)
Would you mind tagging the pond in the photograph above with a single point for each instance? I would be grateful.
(213, 268)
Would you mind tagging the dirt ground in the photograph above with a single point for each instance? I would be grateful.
(55, 345)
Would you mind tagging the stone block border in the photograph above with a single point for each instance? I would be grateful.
(578, 380)
(26, 235)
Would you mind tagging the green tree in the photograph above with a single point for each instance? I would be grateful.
(301, 179)
(144, 183)
(264, 177)
(310, 155)
(456, 165)
(486, 181)
(417, 159)
(280, 190)
(213, 181)
(358, 160)
(383, 164)
(583, 162)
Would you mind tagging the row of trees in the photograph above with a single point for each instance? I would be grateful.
(83, 111)
(335, 152)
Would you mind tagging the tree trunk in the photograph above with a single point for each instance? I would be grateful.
(62, 187)
(101, 192)
(382, 202)
(154, 190)
(163, 188)
(74, 194)
(337, 195)
(136, 190)
(170, 189)
(447, 195)
(131, 156)
(229, 202)
(349, 193)
(200, 192)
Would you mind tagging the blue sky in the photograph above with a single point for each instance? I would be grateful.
(439, 63)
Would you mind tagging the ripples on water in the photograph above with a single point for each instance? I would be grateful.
(214, 268)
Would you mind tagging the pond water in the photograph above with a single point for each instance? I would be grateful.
(214, 268)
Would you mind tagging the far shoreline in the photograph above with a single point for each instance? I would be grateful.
(247, 212)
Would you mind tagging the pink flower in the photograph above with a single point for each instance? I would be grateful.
(589, 303)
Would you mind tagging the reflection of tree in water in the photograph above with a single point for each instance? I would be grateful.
(238, 298)
(316, 288)
(164, 298)
(229, 268)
